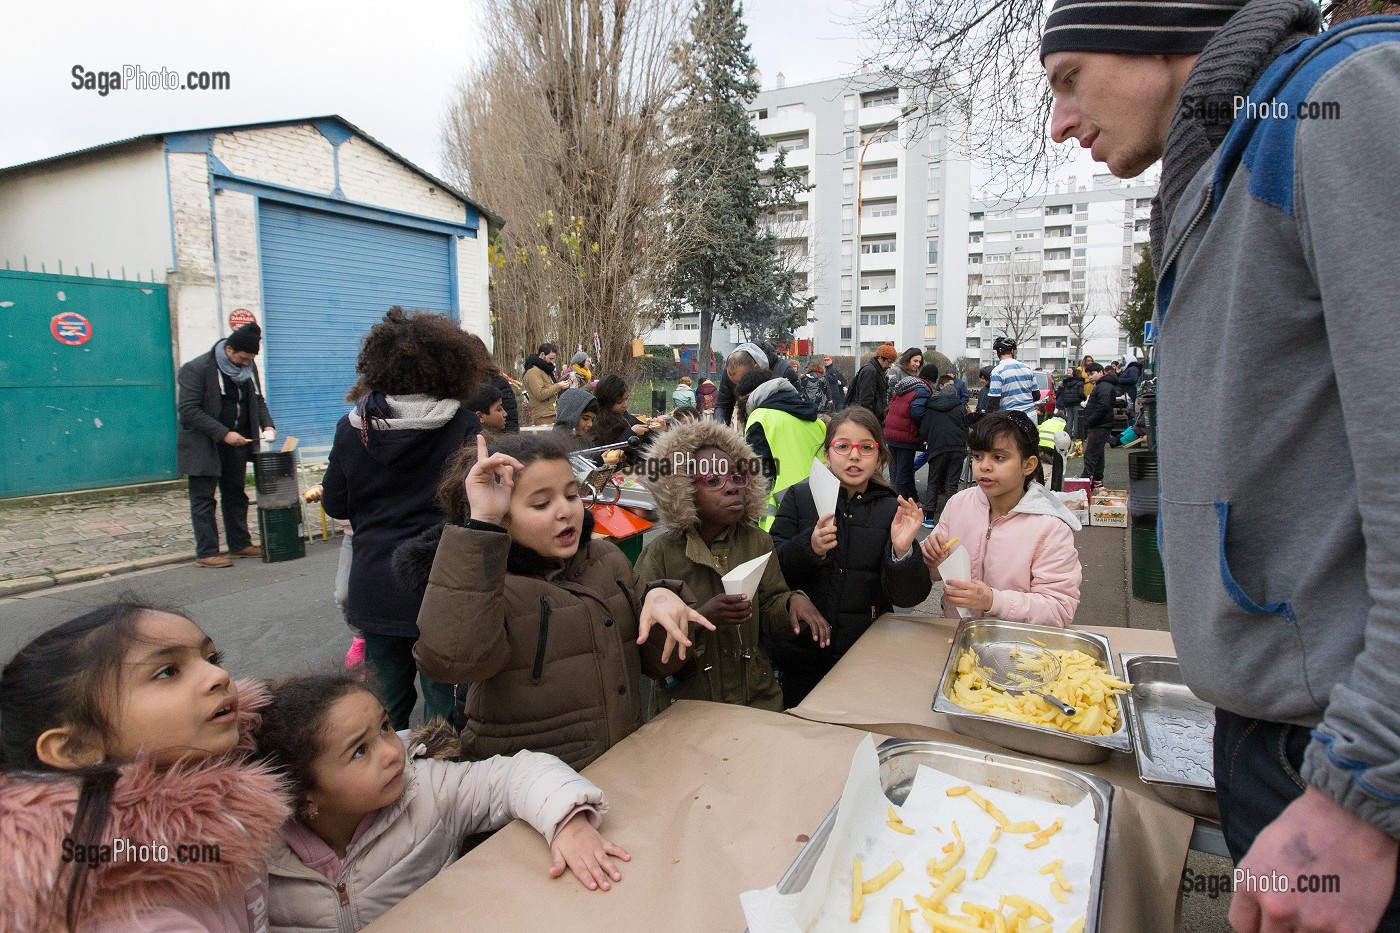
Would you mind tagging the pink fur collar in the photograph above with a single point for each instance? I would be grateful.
(224, 802)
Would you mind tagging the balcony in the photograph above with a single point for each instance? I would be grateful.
(877, 226)
(1055, 265)
(880, 262)
(874, 189)
(782, 124)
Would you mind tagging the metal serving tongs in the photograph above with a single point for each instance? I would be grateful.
(594, 475)
(1018, 668)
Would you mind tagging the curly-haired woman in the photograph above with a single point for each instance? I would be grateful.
(416, 371)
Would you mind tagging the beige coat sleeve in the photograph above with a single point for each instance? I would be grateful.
(477, 796)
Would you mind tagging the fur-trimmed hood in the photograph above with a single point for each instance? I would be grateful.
(674, 489)
(221, 801)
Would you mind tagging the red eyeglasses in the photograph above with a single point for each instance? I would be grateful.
(712, 481)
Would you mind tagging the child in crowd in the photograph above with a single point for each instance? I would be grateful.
(489, 407)
(122, 725)
(816, 388)
(614, 423)
(374, 823)
(710, 493)
(574, 415)
(684, 415)
(683, 395)
(543, 622)
(781, 428)
(902, 427)
(1020, 537)
(857, 562)
(944, 429)
(706, 396)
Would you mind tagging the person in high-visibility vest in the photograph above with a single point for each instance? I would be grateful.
(782, 428)
(1054, 444)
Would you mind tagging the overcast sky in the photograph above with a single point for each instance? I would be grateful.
(386, 67)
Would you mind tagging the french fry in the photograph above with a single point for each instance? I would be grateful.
(948, 861)
(1053, 868)
(1036, 911)
(896, 915)
(1077, 926)
(857, 892)
(958, 791)
(1025, 826)
(941, 893)
(883, 878)
(987, 806)
(1058, 893)
(996, 833)
(1043, 837)
(943, 923)
(891, 816)
(984, 863)
(999, 924)
(900, 827)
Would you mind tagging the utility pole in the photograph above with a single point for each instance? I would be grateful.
(855, 253)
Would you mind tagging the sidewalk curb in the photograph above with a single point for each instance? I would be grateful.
(31, 584)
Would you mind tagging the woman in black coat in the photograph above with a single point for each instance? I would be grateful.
(1068, 399)
(858, 579)
(416, 370)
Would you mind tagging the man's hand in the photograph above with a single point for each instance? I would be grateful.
(1314, 835)
(269, 435)
(723, 609)
(803, 612)
(234, 439)
(664, 608)
(824, 535)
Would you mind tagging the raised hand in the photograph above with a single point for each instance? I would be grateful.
(489, 484)
(664, 608)
(908, 519)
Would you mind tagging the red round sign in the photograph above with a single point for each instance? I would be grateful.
(240, 316)
(70, 328)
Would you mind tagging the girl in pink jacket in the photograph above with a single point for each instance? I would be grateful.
(1025, 567)
(127, 801)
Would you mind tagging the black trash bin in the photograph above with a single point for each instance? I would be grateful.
(280, 524)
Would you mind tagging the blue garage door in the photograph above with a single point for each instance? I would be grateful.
(327, 279)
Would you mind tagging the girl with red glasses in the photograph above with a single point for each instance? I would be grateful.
(857, 562)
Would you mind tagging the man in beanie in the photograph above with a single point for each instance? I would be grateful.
(222, 418)
(1274, 249)
(868, 387)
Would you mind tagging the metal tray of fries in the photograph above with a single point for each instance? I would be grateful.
(1043, 741)
(900, 760)
(1172, 732)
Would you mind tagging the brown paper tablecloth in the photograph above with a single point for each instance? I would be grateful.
(885, 684)
(710, 800)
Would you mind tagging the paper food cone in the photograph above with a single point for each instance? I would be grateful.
(957, 566)
(744, 578)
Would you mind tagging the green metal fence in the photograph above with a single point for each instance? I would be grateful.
(87, 396)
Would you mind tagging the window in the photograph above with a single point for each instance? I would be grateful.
(974, 259)
(974, 238)
(1143, 202)
(999, 236)
(796, 142)
(882, 245)
(1140, 226)
(974, 344)
(975, 217)
(933, 252)
(931, 333)
(885, 172)
(847, 219)
(931, 317)
(888, 97)
(877, 320)
(934, 222)
(931, 290)
(882, 282)
(935, 178)
(845, 288)
(848, 183)
(850, 146)
(883, 208)
(1027, 234)
(845, 333)
(849, 109)
(1052, 255)
(846, 255)
(998, 257)
(1054, 232)
(999, 215)
(760, 114)
(1080, 229)
(1058, 210)
(1079, 251)
(890, 135)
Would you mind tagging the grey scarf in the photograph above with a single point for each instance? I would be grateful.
(1229, 65)
(239, 374)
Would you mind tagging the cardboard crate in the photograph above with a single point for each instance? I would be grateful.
(1078, 504)
(1109, 508)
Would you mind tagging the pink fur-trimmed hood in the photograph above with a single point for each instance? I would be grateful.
(225, 802)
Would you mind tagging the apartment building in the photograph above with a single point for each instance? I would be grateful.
(888, 206)
(1052, 271)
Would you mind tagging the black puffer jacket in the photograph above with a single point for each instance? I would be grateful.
(1071, 392)
(852, 584)
(1099, 412)
(945, 423)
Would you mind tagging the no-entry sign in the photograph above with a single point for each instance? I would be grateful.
(70, 328)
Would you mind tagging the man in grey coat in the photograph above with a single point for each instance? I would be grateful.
(223, 416)
(1274, 249)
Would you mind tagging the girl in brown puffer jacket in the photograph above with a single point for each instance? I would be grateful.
(374, 823)
(542, 622)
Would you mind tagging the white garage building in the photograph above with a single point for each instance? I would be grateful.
(310, 226)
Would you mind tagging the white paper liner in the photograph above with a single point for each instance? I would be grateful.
(859, 831)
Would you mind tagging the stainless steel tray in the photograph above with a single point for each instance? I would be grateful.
(900, 760)
(1042, 741)
(1172, 731)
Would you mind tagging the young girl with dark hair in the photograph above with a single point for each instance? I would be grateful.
(1020, 537)
(121, 730)
(614, 423)
(543, 622)
(375, 822)
(855, 563)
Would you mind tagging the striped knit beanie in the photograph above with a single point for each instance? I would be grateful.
(1134, 27)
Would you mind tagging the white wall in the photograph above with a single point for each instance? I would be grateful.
(95, 214)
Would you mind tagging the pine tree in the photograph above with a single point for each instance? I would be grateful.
(1140, 301)
(725, 264)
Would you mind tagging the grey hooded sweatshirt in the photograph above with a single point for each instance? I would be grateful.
(1280, 506)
